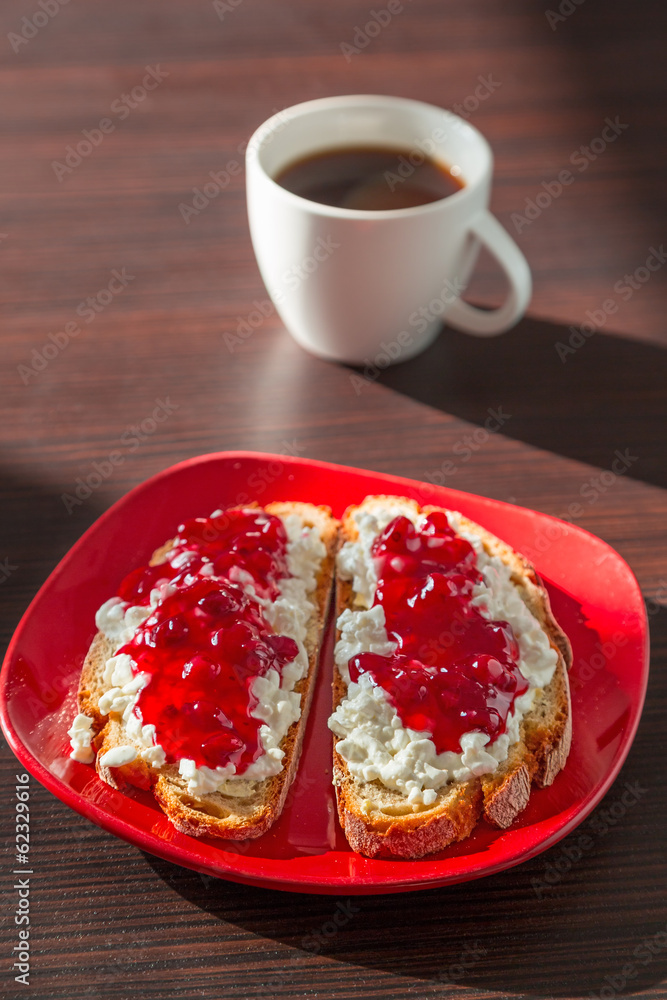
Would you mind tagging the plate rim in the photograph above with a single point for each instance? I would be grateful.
(316, 884)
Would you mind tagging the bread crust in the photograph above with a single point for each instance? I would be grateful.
(393, 828)
(216, 814)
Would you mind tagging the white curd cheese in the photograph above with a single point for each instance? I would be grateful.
(81, 734)
(373, 741)
(278, 705)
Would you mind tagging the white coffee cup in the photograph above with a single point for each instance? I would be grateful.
(355, 285)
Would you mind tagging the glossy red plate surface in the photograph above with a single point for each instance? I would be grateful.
(594, 595)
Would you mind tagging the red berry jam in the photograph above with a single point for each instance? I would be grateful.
(454, 671)
(207, 640)
(235, 542)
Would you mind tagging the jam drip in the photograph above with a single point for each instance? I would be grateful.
(207, 640)
(454, 671)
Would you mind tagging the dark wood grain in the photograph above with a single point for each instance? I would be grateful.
(109, 921)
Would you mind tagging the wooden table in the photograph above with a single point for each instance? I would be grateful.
(109, 921)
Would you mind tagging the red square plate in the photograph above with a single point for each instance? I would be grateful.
(595, 598)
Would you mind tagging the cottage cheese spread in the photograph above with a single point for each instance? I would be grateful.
(80, 735)
(373, 741)
(278, 705)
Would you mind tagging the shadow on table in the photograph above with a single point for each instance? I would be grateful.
(552, 926)
(35, 533)
(605, 396)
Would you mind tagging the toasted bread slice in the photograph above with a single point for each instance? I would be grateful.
(251, 807)
(380, 821)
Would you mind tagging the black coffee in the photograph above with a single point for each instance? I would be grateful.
(370, 178)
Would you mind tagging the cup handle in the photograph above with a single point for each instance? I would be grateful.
(488, 322)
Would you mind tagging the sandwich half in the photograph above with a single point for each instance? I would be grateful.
(451, 693)
(198, 682)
